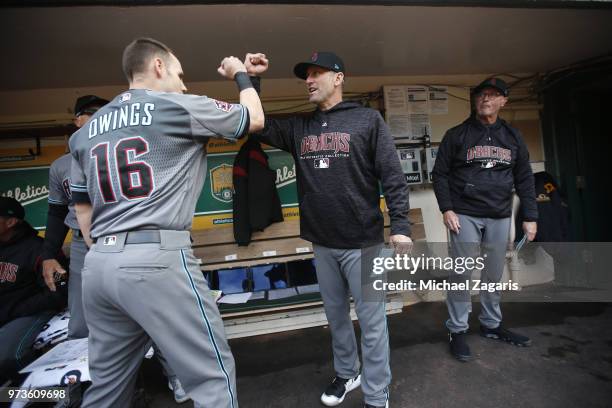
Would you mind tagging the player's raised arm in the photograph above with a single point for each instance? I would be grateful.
(233, 68)
(276, 132)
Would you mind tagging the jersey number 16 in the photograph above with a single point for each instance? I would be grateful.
(134, 177)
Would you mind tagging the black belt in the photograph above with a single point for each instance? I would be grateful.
(138, 237)
(143, 237)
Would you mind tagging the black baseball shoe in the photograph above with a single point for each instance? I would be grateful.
(499, 333)
(336, 391)
(459, 347)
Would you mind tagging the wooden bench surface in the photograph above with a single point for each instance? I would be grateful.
(280, 242)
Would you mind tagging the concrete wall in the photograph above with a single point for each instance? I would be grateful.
(47, 107)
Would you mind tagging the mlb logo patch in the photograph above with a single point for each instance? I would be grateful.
(223, 106)
(110, 240)
(488, 164)
(321, 163)
(125, 97)
(314, 57)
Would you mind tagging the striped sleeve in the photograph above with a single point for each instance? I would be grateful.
(78, 183)
(57, 196)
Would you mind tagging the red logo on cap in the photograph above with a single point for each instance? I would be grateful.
(493, 81)
(314, 57)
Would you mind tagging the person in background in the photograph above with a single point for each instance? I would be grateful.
(26, 303)
(478, 164)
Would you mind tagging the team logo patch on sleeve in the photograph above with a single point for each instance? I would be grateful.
(223, 106)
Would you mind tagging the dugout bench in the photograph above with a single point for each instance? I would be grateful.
(278, 244)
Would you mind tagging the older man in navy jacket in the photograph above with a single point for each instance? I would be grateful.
(478, 164)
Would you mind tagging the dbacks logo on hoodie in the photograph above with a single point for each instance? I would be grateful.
(8, 272)
(489, 156)
(326, 145)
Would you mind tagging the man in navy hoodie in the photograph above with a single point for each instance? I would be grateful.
(26, 304)
(341, 153)
(477, 165)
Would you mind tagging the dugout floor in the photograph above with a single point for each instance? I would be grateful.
(569, 364)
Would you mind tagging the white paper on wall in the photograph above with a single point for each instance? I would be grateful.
(417, 99)
(395, 99)
(420, 125)
(399, 124)
(438, 100)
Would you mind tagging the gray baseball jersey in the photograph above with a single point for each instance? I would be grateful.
(142, 158)
(59, 188)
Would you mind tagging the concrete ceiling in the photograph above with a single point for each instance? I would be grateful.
(81, 46)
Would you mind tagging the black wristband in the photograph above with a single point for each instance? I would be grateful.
(56, 231)
(243, 80)
(256, 81)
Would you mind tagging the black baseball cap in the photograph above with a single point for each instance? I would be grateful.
(87, 103)
(495, 83)
(9, 207)
(323, 59)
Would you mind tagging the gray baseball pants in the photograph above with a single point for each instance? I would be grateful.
(136, 292)
(77, 327)
(486, 237)
(339, 276)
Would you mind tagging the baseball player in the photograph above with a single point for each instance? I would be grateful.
(60, 218)
(477, 165)
(138, 168)
(341, 153)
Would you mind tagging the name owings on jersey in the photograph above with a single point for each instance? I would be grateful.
(133, 114)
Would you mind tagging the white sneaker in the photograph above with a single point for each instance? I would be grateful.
(336, 391)
(179, 393)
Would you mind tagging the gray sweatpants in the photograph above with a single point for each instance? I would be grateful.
(77, 328)
(339, 275)
(136, 292)
(487, 237)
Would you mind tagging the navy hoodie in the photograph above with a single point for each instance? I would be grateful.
(22, 288)
(340, 155)
(476, 168)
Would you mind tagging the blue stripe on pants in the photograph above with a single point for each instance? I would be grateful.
(209, 329)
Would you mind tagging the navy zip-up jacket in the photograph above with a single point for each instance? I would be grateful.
(340, 156)
(477, 167)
